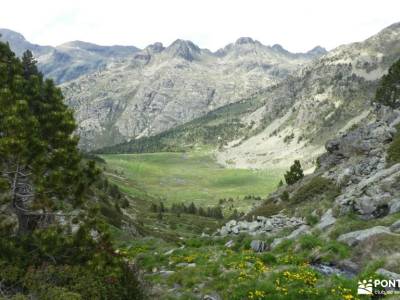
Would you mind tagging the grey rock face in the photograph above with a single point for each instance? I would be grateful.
(258, 246)
(357, 162)
(295, 234)
(355, 237)
(326, 221)
(388, 274)
(395, 227)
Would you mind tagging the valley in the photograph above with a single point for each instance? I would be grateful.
(190, 177)
(247, 173)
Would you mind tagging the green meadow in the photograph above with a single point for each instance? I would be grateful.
(187, 177)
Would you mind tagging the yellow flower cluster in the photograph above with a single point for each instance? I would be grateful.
(344, 293)
(256, 295)
(243, 275)
(305, 276)
(260, 267)
(189, 258)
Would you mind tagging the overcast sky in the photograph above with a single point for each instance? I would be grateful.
(298, 25)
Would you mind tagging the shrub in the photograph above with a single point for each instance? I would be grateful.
(317, 187)
(393, 152)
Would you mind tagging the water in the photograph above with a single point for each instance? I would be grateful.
(332, 270)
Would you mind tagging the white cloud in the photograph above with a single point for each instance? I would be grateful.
(297, 25)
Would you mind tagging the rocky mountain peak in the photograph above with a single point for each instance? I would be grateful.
(279, 48)
(155, 48)
(317, 51)
(11, 36)
(185, 49)
(244, 40)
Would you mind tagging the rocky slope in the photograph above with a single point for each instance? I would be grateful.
(160, 87)
(326, 97)
(70, 60)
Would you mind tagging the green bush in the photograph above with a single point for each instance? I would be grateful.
(317, 187)
(309, 242)
(52, 265)
(393, 152)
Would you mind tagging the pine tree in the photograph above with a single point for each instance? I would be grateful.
(294, 174)
(39, 158)
(388, 91)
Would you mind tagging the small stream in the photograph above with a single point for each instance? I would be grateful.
(332, 270)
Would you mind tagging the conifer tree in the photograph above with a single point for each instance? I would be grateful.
(39, 158)
(294, 174)
(388, 91)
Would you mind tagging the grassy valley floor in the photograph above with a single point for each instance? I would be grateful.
(188, 177)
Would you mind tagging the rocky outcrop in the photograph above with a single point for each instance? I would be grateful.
(355, 237)
(258, 246)
(327, 220)
(295, 234)
(261, 225)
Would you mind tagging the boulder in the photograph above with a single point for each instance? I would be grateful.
(394, 206)
(395, 227)
(355, 237)
(258, 246)
(326, 221)
(213, 296)
(388, 274)
(229, 244)
(166, 273)
(303, 229)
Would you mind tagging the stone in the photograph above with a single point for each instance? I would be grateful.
(355, 237)
(231, 223)
(348, 265)
(303, 229)
(395, 227)
(394, 206)
(229, 244)
(169, 252)
(166, 273)
(332, 146)
(258, 246)
(213, 296)
(388, 274)
(182, 264)
(326, 221)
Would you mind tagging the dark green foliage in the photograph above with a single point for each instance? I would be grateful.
(38, 152)
(316, 187)
(46, 182)
(50, 264)
(294, 174)
(393, 152)
(388, 91)
(211, 212)
(285, 196)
